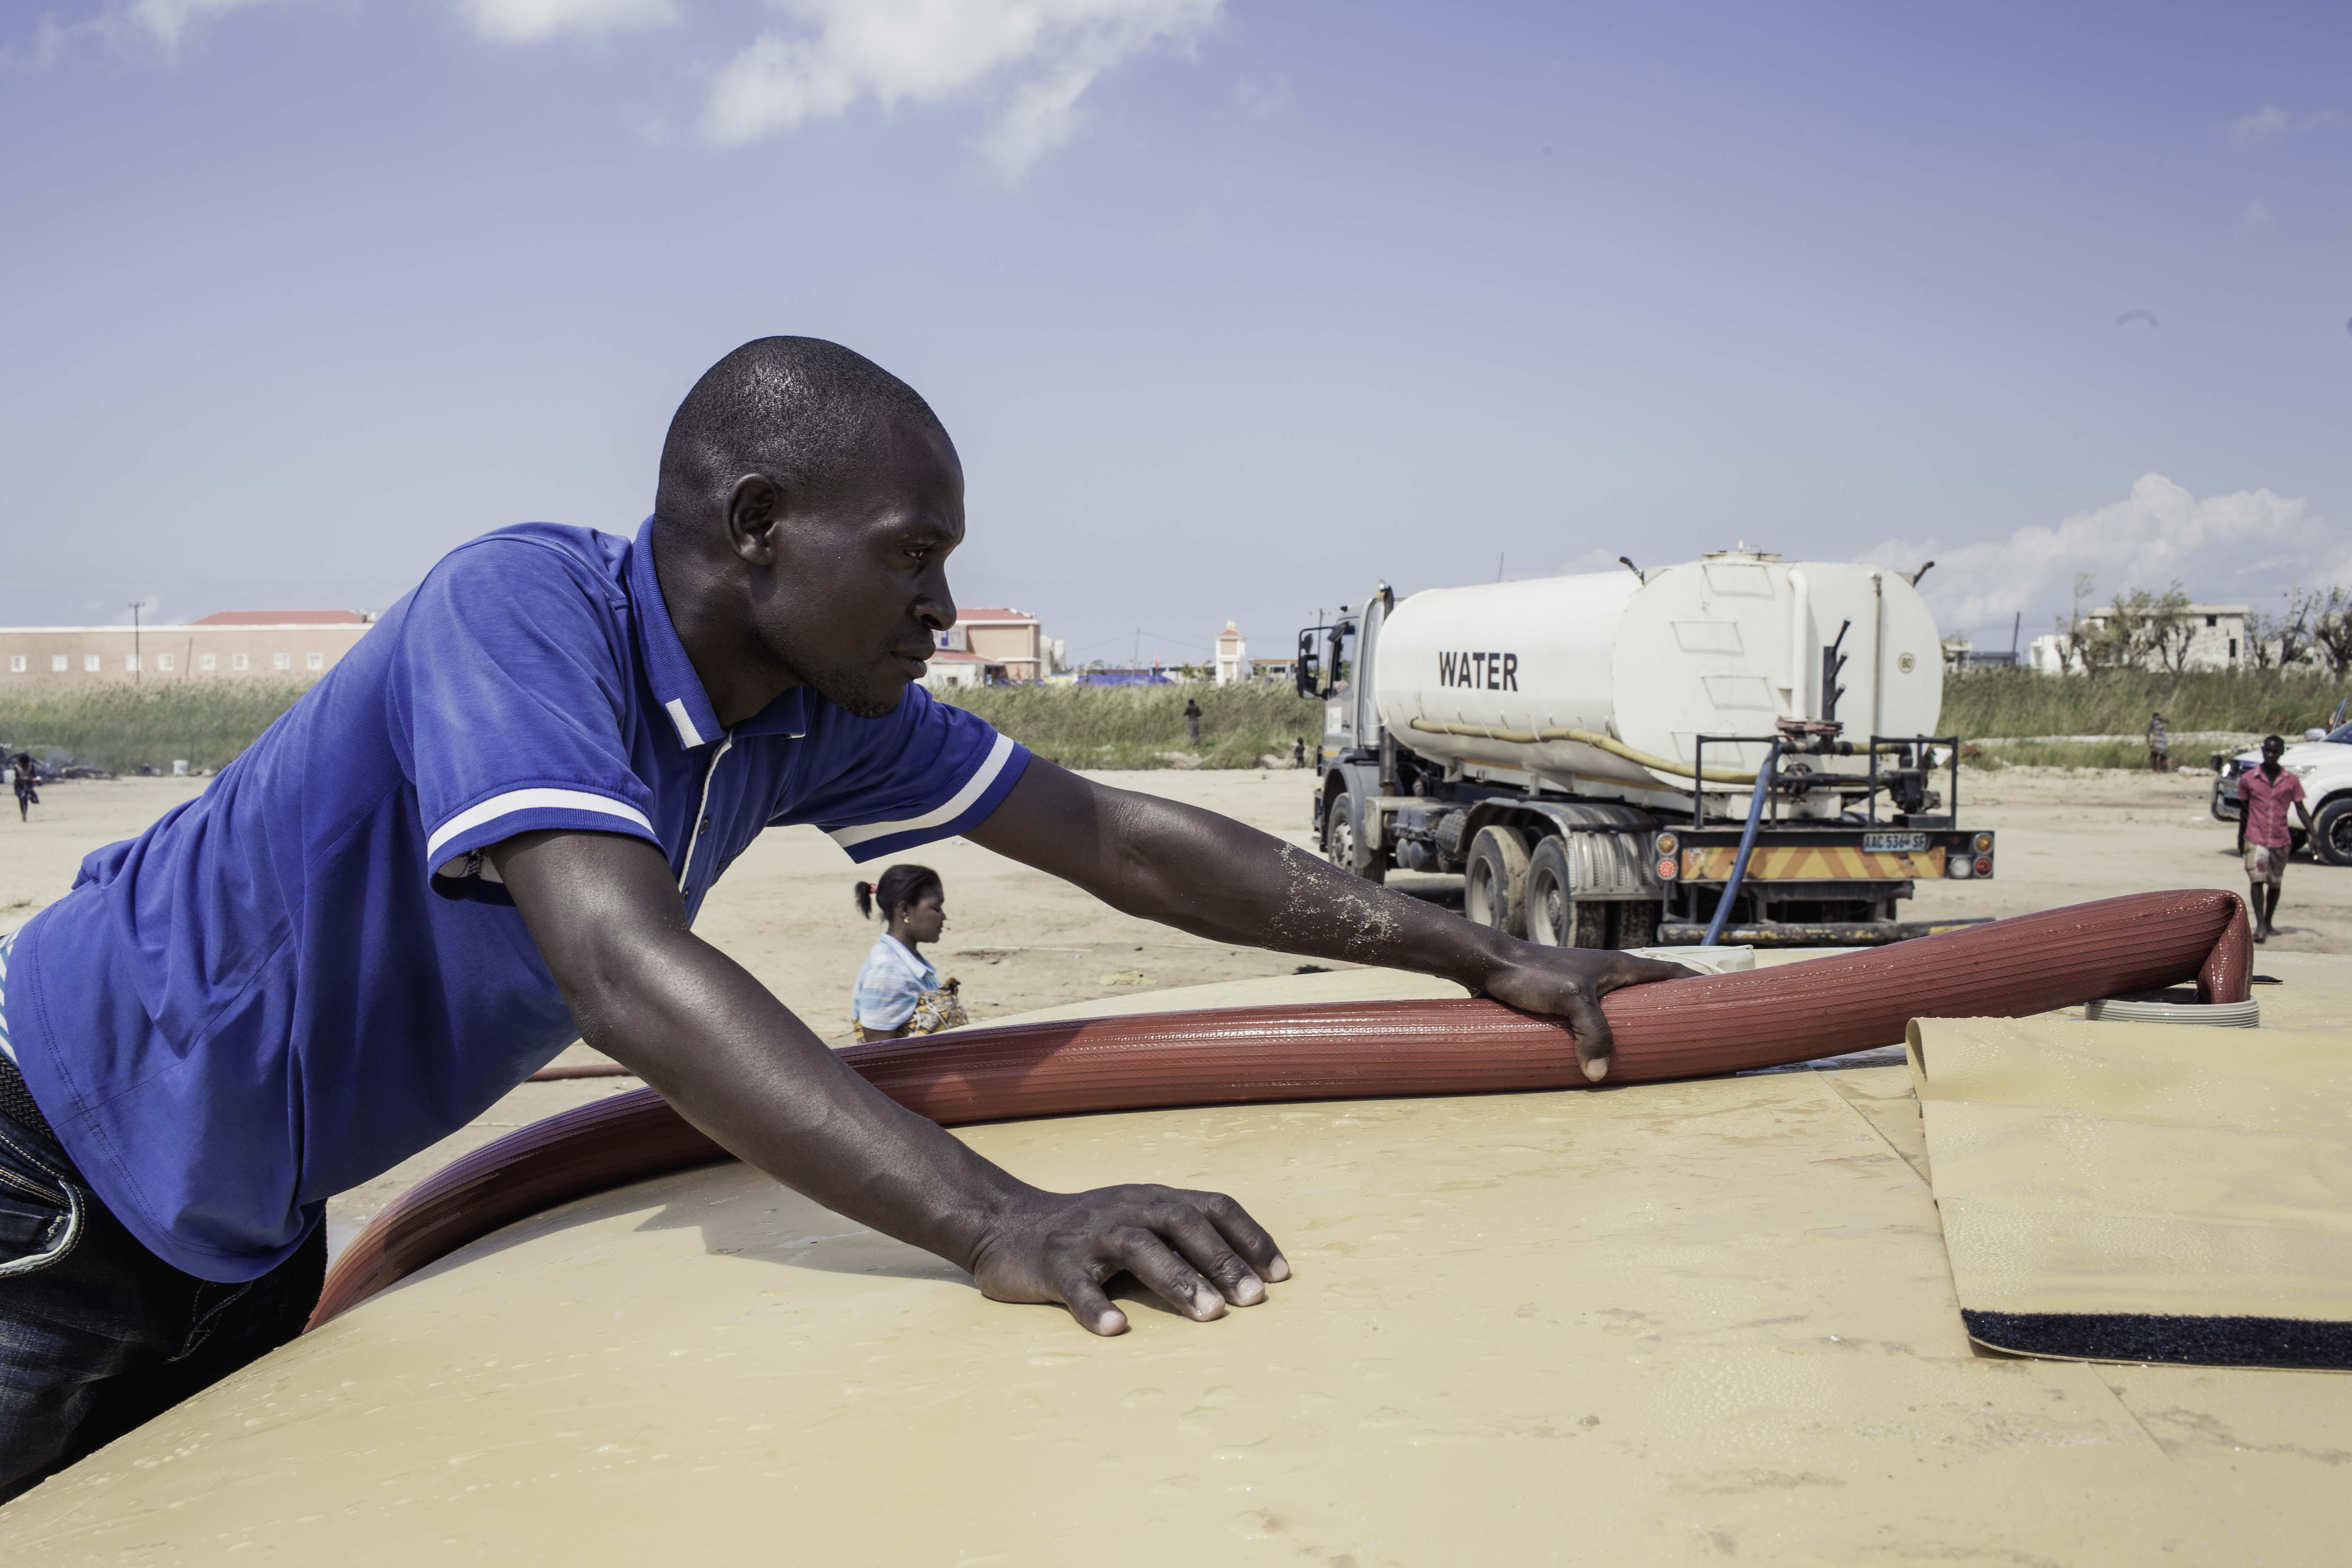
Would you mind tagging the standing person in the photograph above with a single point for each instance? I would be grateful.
(27, 777)
(2264, 792)
(899, 993)
(487, 831)
(1192, 720)
(2159, 745)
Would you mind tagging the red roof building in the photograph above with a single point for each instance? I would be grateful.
(1013, 638)
(283, 618)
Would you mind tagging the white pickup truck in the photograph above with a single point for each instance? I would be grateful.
(2324, 761)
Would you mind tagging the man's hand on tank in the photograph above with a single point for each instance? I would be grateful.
(1198, 1251)
(1570, 981)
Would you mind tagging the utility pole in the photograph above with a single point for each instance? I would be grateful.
(138, 665)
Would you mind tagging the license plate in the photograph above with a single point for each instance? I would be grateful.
(1894, 843)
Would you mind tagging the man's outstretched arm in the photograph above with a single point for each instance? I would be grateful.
(1212, 877)
(719, 1047)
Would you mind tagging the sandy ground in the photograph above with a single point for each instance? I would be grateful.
(1020, 941)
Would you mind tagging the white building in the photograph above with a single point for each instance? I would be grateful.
(955, 666)
(1233, 656)
(2217, 639)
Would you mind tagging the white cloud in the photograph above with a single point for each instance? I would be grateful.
(2245, 547)
(169, 21)
(536, 21)
(1033, 61)
(2256, 215)
(2264, 123)
(1261, 96)
(51, 40)
(159, 25)
(2270, 121)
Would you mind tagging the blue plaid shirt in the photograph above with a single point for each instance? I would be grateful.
(892, 981)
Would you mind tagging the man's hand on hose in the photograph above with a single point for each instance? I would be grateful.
(1210, 876)
(728, 1057)
(1569, 981)
(1198, 1251)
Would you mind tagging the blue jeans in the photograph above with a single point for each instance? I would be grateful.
(97, 1333)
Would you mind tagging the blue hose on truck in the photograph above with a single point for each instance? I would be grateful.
(1747, 842)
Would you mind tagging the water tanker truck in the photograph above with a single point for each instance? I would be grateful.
(1737, 749)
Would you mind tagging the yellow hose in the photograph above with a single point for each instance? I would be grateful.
(1615, 748)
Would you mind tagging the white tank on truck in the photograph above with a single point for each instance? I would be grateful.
(1586, 749)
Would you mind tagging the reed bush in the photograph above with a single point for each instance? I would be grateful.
(2021, 704)
(1143, 726)
(121, 727)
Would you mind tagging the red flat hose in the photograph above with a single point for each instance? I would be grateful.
(1359, 1051)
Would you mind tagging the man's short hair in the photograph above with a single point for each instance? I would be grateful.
(2268, 739)
(802, 411)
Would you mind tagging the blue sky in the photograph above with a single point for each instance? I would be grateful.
(1232, 306)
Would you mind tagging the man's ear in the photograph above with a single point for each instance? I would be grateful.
(754, 507)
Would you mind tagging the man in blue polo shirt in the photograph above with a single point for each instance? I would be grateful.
(487, 831)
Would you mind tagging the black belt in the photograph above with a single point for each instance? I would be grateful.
(17, 1101)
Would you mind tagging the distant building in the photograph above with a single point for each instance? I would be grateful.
(952, 667)
(1282, 670)
(1233, 656)
(2217, 639)
(235, 645)
(1012, 638)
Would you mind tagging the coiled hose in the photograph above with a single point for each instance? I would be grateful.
(1677, 1029)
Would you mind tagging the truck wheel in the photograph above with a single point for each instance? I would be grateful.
(1341, 844)
(1554, 916)
(2331, 839)
(1495, 882)
(1551, 905)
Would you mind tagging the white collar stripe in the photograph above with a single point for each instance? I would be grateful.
(688, 735)
(516, 800)
(973, 788)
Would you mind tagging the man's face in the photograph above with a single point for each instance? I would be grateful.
(859, 583)
(2273, 749)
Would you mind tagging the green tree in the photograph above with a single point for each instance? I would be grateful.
(2170, 630)
(2074, 633)
(2331, 627)
(2282, 641)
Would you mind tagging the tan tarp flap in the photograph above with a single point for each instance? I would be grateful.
(2146, 1174)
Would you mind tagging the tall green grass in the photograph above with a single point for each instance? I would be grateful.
(2020, 703)
(121, 727)
(1143, 726)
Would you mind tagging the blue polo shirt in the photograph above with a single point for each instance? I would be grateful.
(306, 975)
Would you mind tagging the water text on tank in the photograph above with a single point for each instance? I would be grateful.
(1485, 671)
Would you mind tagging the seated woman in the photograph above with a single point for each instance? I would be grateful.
(897, 993)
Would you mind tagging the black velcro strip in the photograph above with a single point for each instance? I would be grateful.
(2158, 1337)
(17, 1101)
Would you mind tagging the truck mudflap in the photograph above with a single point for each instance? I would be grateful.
(1816, 933)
